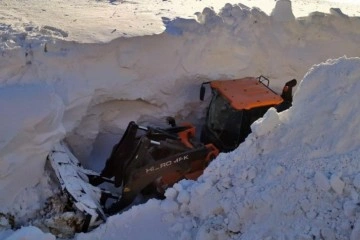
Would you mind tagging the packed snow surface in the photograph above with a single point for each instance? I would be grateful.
(295, 177)
(90, 21)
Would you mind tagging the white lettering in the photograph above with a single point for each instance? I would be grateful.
(150, 169)
(165, 164)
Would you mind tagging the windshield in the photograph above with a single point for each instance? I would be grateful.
(230, 127)
(225, 122)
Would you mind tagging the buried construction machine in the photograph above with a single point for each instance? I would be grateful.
(147, 160)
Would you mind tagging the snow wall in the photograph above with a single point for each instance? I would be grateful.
(87, 93)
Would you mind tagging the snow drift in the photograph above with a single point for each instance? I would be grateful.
(87, 93)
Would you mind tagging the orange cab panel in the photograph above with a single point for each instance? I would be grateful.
(246, 93)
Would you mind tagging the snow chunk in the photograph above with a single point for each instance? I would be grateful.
(209, 18)
(234, 222)
(169, 205)
(171, 193)
(282, 11)
(184, 197)
(337, 184)
(322, 182)
(349, 208)
(266, 124)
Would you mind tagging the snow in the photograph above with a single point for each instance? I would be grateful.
(28, 233)
(283, 11)
(46, 20)
(26, 136)
(64, 76)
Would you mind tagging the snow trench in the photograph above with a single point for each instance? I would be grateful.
(87, 93)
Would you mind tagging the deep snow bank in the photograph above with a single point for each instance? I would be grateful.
(104, 20)
(295, 177)
(30, 123)
(101, 87)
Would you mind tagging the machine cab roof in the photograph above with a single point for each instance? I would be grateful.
(246, 93)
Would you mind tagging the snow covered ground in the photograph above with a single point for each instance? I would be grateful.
(295, 177)
(104, 20)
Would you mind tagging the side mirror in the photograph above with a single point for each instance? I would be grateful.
(202, 90)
